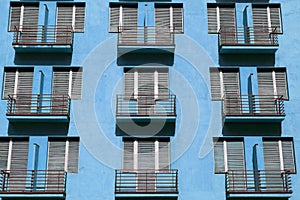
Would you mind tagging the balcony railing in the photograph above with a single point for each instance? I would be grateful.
(258, 182)
(254, 105)
(38, 105)
(43, 35)
(146, 181)
(247, 36)
(162, 105)
(32, 182)
(145, 36)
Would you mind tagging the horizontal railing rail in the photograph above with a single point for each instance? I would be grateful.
(253, 105)
(43, 35)
(257, 35)
(145, 36)
(38, 104)
(258, 181)
(146, 181)
(33, 182)
(142, 105)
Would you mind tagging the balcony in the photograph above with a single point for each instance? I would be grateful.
(145, 39)
(258, 183)
(248, 40)
(32, 183)
(36, 107)
(253, 108)
(152, 183)
(43, 39)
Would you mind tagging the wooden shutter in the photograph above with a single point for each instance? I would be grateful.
(281, 82)
(215, 84)
(31, 13)
(163, 81)
(4, 147)
(265, 82)
(212, 18)
(56, 154)
(130, 15)
(114, 17)
(178, 18)
(231, 83)
(129, 82)
(219, 163)
(271, 154)
(9, 82)
(288, 155)
(146, 155)
(79, 17)
(227, 16)
(15, 13)
(164, 155)
(275, 16)
(64, 15)
(19, 154)
(60, 80)
(25, 79)
(260, 16)
(162, 16)
(76, 83)
(128, 156)
(73, 155)
(146, 82)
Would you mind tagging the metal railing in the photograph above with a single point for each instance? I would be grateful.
(43, 35)
(32, 182)
(254, 105)
(258, 181)
(151, 105)
(38, 105)
(258, 35)
(146, 181)
(145, 36)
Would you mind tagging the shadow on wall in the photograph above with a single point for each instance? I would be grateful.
(243, 1)
(246, 59)
(38, 128)
(43, 58)
(149, 59)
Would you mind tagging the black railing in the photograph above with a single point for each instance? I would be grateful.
(32, 182)
(43, 35)
(254, 105)
(145, 36)
(258, 35)
(258, 181)
(146, 181)
(38, 105)
(151, 105)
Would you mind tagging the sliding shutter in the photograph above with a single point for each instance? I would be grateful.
(25, 79)
(275, 16)
(163, 81)
(178, 18)
(60, 81)
(79, 17)
(212, 18)
(56, 154)
(129, 83)
(76, 83)
(215, 84)
(73, 154)
(130, 16)
(162, 16)
(146, 155)
(9, 82)
(260, 16)
(128, 156)
(31, 13)
(165, 14)
(64, 16)
(164, 155)
(265, 82)
(219, 156)
(15, 13)
(281, 82)
(146, 82)
(4, 148)
(288, 155)
(227, 16)
(114, 17)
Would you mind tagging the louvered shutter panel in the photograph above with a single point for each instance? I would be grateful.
(276, 18)
(15, 13)
(265, 82)
(114, 18)
(260, 24)
(212, 19)
(19, 155)
(163, 82)
(281, 83)
(128, 155)
(25, 80)
(73, 155)
(235, 155)
(60, 82)
(76, 83)
(162, 16)
(146, 155)
(56, 154)
(227, 23)
(130, 16)
(146, 82)
(231, 83)
(129, 83)
(178, 18)
(79, 17)
(64, 16)
(215, 84)
(288, 155)
(164, 155)
(9, 82)
(4, 147)
(31, 13)
(271, 155)
(219, 156)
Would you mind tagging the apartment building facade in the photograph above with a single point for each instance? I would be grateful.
(162, 99)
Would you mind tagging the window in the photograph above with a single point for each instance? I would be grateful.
(71, 15)
(146, 154)
(219, 16)
(122, 15)
(228, 154)
(67, 81)
(224, 82)
(272, 81)
(23, 14)
(17, 81)
(267, 16)
(279, 154)
(169, 15)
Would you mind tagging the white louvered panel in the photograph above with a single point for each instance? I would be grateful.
(227, 17)
(60, 81)
(25, 80)
(164, 155)
(73, 155)
(276, 18)
(114, 16)
(271, 155)
(76, 83)
(281, 83)
(31, 13)
(212, 19)
(19, 156)
(162, 16)
(235, 155)
(265, 83)
(128, 157)
(288, 155)
(15, 12)
(163, 81)
(64, 15)
(9, 82)
(231, 83)
(79, 17)
(146, 82)
(215, 84)
(146, 155)
(178, 19)
(260, 16)
(4, 146)
(129, 83)
(56, 154)
(130, 15)
(219, 162)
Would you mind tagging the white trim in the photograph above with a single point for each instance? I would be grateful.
(274, 82)
(9, 154)
(16, 82)
(135, 155)
(156, 154)
(21, 16)
(121, 16)
(70, 83)
(73, 17)
(225, 156)
(218, 19)
(155, 84)
(135, 84)
(66, 155)
(269, 17)
(221, 84)
(171, 19)
(281, 155)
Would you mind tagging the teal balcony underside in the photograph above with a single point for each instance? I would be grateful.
(246, 118)
(37, 118)
(33, 195)
(150, 196)
(259, 195)
(43, 48)
(244, 49)
(145, 49)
